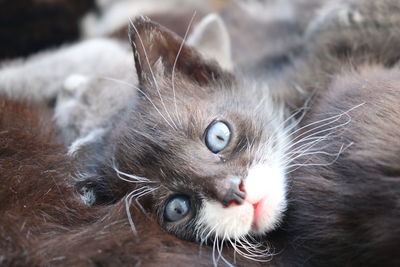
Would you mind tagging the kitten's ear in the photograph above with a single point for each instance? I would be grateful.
(211, 38)
(156, 49)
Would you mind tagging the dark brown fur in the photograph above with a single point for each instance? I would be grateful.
(28, 26)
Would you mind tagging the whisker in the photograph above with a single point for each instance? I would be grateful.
(132, 178)
(251, 254)
(152, 74)
(305, 148)
(174, 66)
(213, 251)
(220, 252)
(128, 202)
(334, 118)
(341, 150)
(143, 93)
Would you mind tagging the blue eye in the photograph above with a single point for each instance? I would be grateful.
(177, 208)
(217, 136)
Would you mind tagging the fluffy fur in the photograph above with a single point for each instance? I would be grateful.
(344, 208)
(344, 34)
(78, 79)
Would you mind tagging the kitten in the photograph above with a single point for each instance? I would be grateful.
(200, 191)
(191, 139)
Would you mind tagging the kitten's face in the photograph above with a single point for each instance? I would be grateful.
(211, 146)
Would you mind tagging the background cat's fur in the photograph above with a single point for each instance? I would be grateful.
(345, 34)
(345, 210)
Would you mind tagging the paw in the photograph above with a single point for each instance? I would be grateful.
(87, 195)
(73, 87)
(70, 106)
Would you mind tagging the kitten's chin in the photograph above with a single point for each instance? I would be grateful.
(260, 213)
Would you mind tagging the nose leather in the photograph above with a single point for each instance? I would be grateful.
(234, 192)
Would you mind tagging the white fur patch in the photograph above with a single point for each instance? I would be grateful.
(41, 76)
(264, 185)
(90, 138)
(88, 197)
(74, 81)
(268, 10)
(116, 14)
(232, 222)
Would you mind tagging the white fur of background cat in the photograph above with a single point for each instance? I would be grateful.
(41, 76)
(116, 14)
(78, 76)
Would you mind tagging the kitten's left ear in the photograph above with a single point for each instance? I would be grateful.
(158, 51)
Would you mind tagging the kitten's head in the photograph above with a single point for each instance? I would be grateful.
(209, 147)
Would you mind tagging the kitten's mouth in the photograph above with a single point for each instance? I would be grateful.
(258, 213)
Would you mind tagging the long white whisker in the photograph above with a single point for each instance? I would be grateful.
(333, 118)
(132, 178)
(341, 150)
(128, 202)
(143, 93)
(213, 251)
(152, 74)
(174, 66)
(220, 252)
(307, 146)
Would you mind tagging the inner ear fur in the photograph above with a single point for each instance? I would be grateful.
(153, 44)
